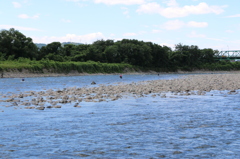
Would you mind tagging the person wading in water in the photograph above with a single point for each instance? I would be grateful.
(121, 76)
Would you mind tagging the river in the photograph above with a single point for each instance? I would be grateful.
(206, 126)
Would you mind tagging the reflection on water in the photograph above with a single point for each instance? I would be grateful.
(173, 127)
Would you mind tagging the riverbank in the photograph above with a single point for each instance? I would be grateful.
(26, 73)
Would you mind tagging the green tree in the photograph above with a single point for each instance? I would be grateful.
(2, 57)
(68, 50)
(188, 55)
(99, 47)
(135, 52)
(94, 53)
(112, 54)
(14, 43)
(159, 55)
(208, 55)
(55, 57)
(80, 52)
(54, 48)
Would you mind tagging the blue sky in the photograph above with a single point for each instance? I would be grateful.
(208, 24)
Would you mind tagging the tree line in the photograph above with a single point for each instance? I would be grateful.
(15, 45)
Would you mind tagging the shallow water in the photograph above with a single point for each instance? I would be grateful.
(151, 127)
(43, 83)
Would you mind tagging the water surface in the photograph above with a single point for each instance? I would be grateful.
(151, 127)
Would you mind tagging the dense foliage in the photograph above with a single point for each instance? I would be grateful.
(16, 46)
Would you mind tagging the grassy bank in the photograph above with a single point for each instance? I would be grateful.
(63, 67)
(55, 67)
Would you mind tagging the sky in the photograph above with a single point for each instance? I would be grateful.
(208, 24)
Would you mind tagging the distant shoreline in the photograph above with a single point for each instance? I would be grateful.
(27, 74)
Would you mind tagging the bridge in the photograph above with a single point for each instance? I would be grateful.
(231, 55)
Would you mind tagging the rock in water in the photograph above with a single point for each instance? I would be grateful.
(40, 108)
(57, 106)
(76, 104)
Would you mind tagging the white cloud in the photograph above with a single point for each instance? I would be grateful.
(16, 5)
(233, 16)
(88, 38)
(195, 35)
(149, 8)
(18, 28)
(197, 24)
(174, 11)
(25, 16)
(115, 2)
(173, 25)
(172, 3)
(129, 34)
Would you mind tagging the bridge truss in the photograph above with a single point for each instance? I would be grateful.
(229, 53)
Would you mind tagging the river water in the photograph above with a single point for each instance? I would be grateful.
(151, 127)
